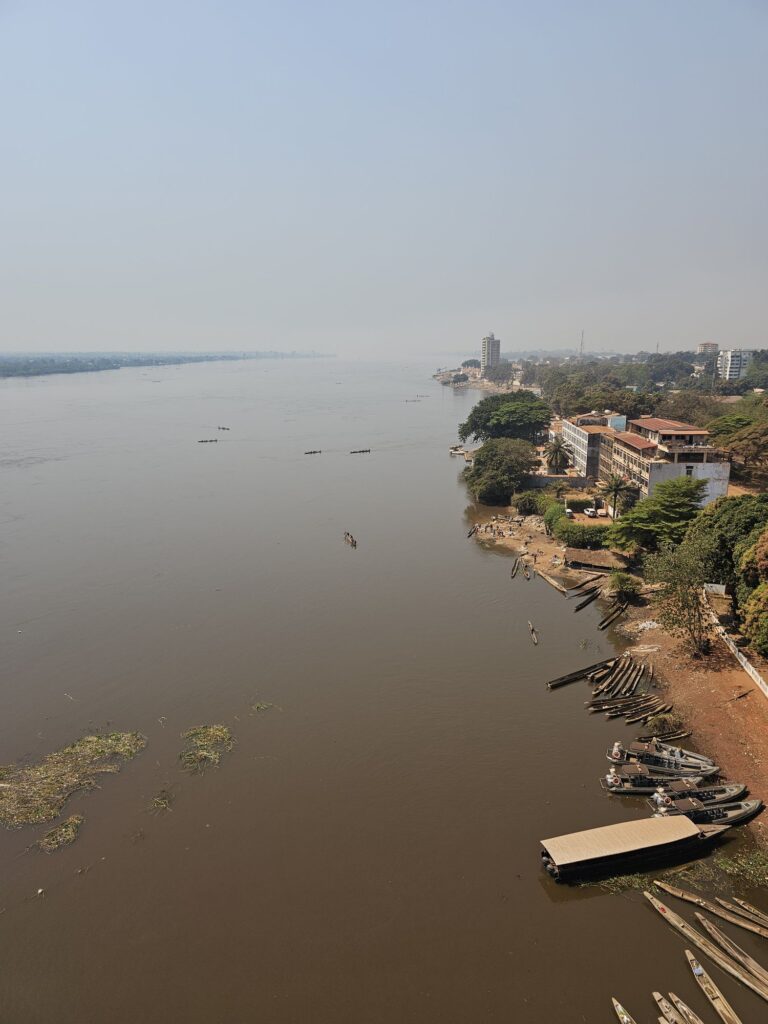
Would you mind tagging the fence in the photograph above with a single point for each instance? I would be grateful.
(747, 665)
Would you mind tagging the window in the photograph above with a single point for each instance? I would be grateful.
(689, 470)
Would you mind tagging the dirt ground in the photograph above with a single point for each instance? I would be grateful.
(725, 711)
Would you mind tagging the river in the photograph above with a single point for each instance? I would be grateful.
(368, 852)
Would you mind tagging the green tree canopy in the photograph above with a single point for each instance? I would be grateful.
(517, 415)
(751, 444)
(662, 518)
(726, 529)
(499, 469)
(474, 363)
(679, 604)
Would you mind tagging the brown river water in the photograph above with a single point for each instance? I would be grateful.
(368, 853)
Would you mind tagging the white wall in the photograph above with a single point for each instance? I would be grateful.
(716, 474)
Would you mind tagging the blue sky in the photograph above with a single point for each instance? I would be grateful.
(381, 178)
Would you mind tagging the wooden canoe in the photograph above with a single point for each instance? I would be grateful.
(713, 908)
(622, 1014)
(685, 1011)
(745, 910)
(722, 1007)
(668, 1013)
(712, 951)
(730, 947)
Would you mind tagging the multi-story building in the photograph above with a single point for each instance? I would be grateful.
(581, 435)
(707, 348)
(653, 450)
(733, 363)
(490, 352)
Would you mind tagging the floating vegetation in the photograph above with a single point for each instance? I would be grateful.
(750, 867)
(620, 883)
(161, 801)
(260, 706)
(61, 835)
(38, 792)
(207, 743)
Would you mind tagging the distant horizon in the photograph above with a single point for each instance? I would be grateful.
(383, 180)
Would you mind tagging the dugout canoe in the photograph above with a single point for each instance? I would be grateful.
(734, 951)
(747, 910)
(689, 1017)
(572, 677)
(720, 1004)
(713, 908)
(704, 944)
(621, 1013)
(619, 849)
(668, 1013)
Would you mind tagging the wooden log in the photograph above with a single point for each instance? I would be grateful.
(571, 677)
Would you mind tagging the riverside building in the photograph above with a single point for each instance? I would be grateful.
(582, 434)
(490, 353)
(653, 450)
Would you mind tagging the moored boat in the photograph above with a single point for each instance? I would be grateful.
(739, 955)
(679, 789)
(735, 813)
(685, 1011)
(645, 754)
(668, 1013)
(722, 1007)
(641, 780)
(617, 849)
(621, 1013)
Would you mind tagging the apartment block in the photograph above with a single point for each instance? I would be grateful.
(652, 450)
(582, 434)
(733, 363)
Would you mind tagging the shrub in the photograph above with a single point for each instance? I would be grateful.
(624, 586)
(578, 535)
(553, 515)
(756, 618)
(528, 503)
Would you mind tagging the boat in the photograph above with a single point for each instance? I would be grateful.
(676, 791)
(532, 631)
(640, 780)
(644, 753)
(617, 849)
(589, 599)
(730, 947)
(515, 567)
(740, 914)
(672, 751)
(689, 1017)
(621, 1013)
(720, 1004)
(703, 943)
(752, 912)
(734, 813)
(668, 1013)
(582, 673)
(719, 911)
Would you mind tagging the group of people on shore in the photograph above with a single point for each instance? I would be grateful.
(350, 539)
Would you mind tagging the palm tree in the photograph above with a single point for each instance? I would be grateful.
(557, 455)
(615, 488)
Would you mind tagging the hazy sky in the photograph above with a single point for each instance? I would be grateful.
(397, 176)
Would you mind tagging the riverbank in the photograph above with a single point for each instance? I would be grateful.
(723, 708)
(725, 711)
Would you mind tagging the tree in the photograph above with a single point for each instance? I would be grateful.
(614, 489)
(755, 619)
(751, 444)
(662, 518)
(499, 469)
(517, 415)
(579, 535)
(679, 603)
(623, 586)
(727, 528)
(471, 363)
(557, 455)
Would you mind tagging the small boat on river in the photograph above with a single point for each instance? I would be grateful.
(735, 813)
(720, 1004)
(646, 754)
(680, 789)
(640, 780)
(626, 847)
(668, 750)
(686, 1013)
(621, 1013)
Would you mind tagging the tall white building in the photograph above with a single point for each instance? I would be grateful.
(490, 352)
(733, 363)
(707, 348)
